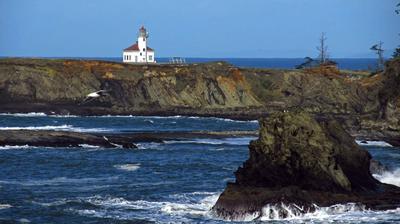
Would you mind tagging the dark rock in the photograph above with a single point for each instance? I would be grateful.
(377, 167)
(109, 140)
(59, 139)
(298, 160)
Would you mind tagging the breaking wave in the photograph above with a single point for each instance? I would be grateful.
(128, 167)
(31, 114)
(16, 147)
(5, 206)
(178, 206)
(373, 143)
(87, 146)
(343, 213)
(389, 177)
(209, 141)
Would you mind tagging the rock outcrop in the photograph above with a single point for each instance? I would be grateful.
(47, 138)
(302, 162)
(61, 139)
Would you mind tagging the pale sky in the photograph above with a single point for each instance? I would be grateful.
(197, 28)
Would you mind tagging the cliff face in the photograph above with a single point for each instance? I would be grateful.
(132, 88)
(204, 86)
(302, 162)
(366, 105)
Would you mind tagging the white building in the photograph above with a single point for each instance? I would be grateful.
(139, 52)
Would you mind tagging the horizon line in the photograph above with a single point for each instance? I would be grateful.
(99, 57)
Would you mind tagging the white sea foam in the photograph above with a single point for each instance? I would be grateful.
(23, 220)
(183, 207)
(373, 143)
(293, 212)
(15, 147)
(176, 207)
(63, 127)
(342, 213)
(10, 147)
(128, 167)
(35, 114)
(31, 114)
(209, 141)
(185, 204)
(149, 145)
(149, 121)
(5, 206)
(87, 146)
(46, 127)
(389, 177)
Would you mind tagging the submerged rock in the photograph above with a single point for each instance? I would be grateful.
(303, 163)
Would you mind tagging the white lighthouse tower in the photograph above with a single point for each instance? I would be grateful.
(139, 52)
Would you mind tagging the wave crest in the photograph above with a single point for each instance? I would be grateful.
(389, 177)
(128, 167)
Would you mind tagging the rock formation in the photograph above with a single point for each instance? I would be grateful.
(302, 162)
(368, 105)
(51, 138)
(61, 139)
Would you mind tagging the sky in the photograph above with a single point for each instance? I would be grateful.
(198, 28)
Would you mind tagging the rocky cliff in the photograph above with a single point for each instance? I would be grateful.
(368, 106)
(303, 163)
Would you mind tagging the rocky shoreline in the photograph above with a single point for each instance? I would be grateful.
(303, 164)
(367, 105)
(46, 138)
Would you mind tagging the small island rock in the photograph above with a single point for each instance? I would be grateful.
(303, 163)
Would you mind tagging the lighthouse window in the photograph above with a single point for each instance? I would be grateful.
(140, 53)
(143, 39)
(150, 57)
(144, 49)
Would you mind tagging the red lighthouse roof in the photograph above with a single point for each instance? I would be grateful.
(135, 47)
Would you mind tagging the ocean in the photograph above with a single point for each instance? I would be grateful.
(276, 63)
(168, 182)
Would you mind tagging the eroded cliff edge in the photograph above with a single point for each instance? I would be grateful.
(303, 163)
(367, 105)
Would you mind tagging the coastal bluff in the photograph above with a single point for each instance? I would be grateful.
(367, 105)
(302, 163)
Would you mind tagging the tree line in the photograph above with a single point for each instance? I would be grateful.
(323, 55)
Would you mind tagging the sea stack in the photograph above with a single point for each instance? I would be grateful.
(300, 163)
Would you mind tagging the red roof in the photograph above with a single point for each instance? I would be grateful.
(135, 47)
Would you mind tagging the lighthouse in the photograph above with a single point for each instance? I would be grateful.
(139, 52)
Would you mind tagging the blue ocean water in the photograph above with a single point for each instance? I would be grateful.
(284, 63)
(170, 182)
(277, 63)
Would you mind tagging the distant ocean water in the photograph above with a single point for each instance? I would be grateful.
(282, 63)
